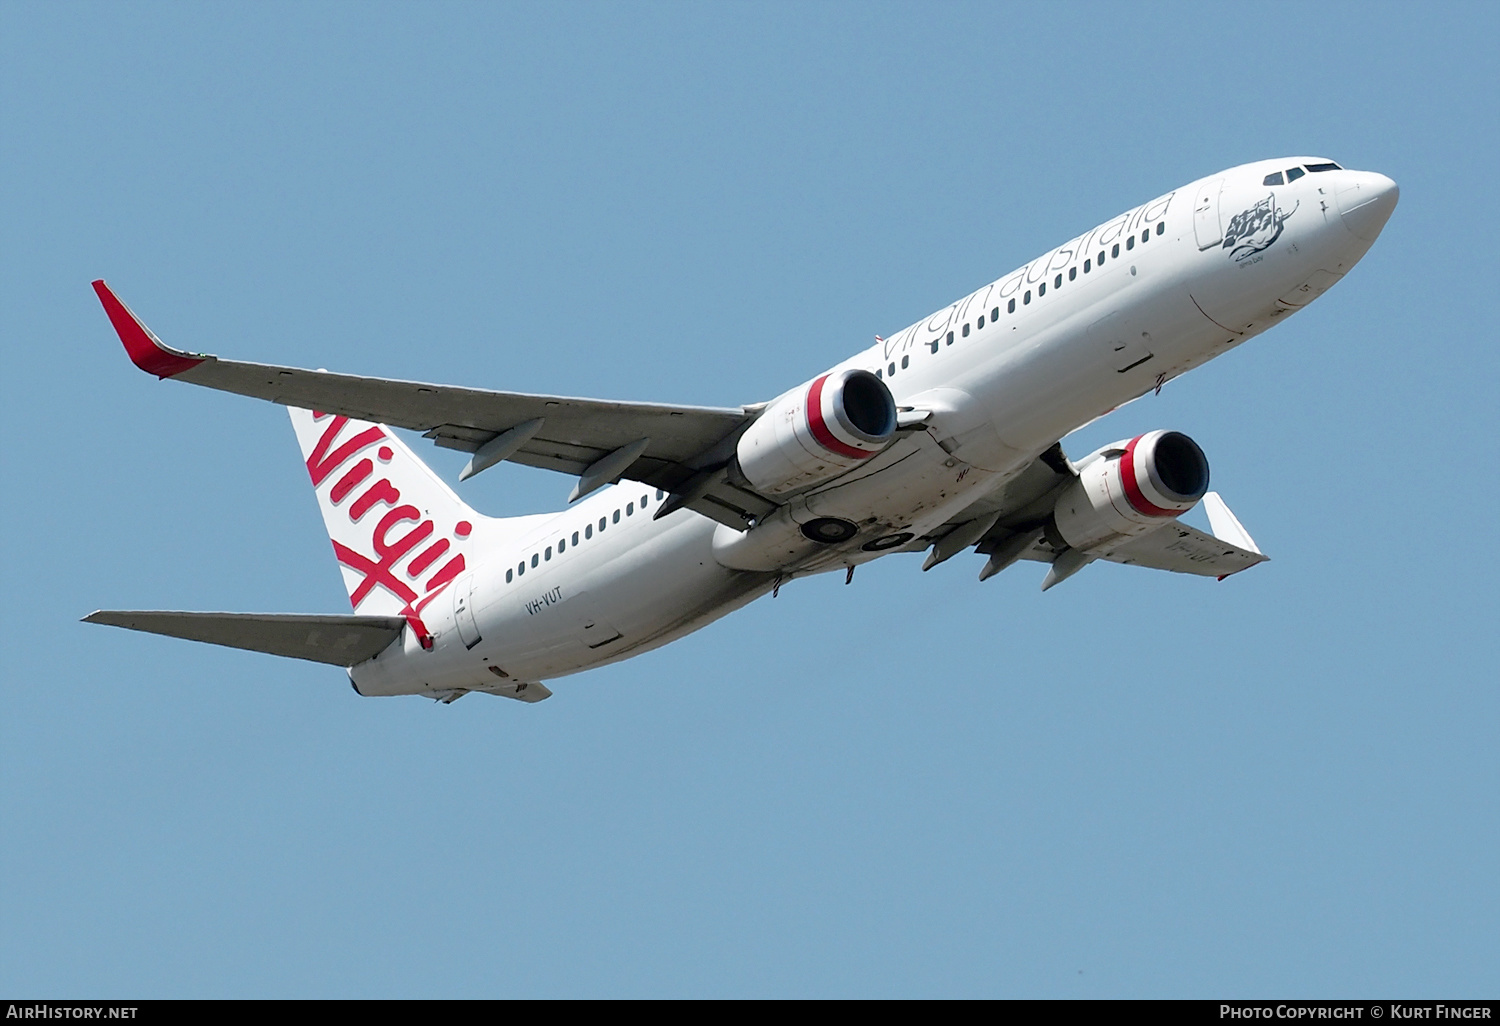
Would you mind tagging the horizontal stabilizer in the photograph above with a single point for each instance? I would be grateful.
(521, 691)
(339, 640)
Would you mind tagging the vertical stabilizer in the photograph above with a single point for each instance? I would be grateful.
(400, 534)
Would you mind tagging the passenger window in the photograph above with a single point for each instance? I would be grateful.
(575, 539)
(535, 559)
(1057, 282)
(643, 501)
(1041, 290)
(1294, 173)
(979, 323)
(905, 362)
(588, 530)
(603, 523)
(1011, 307)
(562, 546)
(1072, 274)
(1146, 235)
(950, 338)
(966, 331)
(881, 374)
(510, 575)
(1273, 179)
(1088, 265)
(1114, 251)
(933, 345)
(616, 517)
(549, 551)
(891, 371)
(1161, 226)
(521, 568)
(1130, 242)
(995, 313)
(1026, 298)
(630, 509)
(660, 495)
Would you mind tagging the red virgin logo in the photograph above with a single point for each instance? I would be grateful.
(395, 559)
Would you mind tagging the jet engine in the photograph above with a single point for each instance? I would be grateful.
(1130, 488)
(817, 431)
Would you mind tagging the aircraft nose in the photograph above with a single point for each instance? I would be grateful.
(1365, 201)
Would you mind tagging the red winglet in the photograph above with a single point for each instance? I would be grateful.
(146, 350)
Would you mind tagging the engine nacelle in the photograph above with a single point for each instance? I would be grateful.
(1130, 488)
(817, 431)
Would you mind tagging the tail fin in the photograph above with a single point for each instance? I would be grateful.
(399, 532)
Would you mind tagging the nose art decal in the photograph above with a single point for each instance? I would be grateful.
(1256, 228)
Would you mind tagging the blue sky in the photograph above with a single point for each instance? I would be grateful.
(1133, 785)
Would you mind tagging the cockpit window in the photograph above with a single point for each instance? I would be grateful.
(1273, 179)
(1294, 173)
(1330, 166)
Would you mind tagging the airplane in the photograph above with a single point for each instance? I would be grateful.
(943, 437)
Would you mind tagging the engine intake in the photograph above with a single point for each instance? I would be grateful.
(817, 431)
(1130, 488)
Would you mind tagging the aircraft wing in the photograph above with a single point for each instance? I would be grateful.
(1020, 511)
(339, 640)
(1186, 550)
(675, 448)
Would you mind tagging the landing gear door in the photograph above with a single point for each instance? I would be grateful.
(463, 610)
(1206, 214)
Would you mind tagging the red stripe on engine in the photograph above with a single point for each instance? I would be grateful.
(1133, 493)
(819, 427)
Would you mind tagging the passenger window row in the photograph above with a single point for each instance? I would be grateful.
(1089, 263)
(576, 538)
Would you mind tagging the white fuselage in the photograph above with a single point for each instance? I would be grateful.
(1006, 371)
